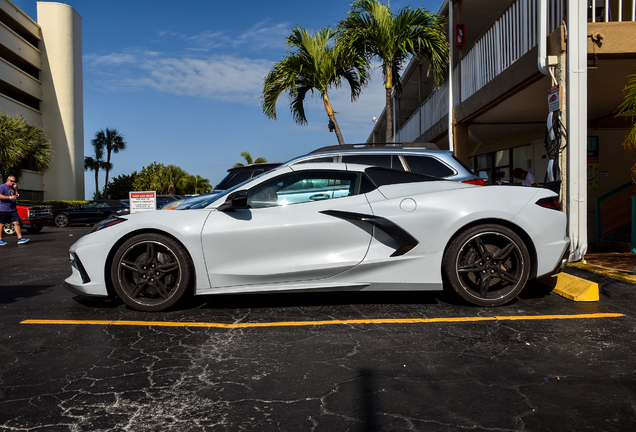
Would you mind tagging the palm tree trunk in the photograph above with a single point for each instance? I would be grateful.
(389, 103)
(389, 115)
(332, 117)
(337, 130)
(107, 170)
(96, 184)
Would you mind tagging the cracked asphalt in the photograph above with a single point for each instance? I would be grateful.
(548, 374)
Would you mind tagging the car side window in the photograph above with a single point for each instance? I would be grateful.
(381, 160)
(303, 187)
(428, 165)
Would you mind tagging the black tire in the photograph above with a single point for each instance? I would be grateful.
(60, 220)
(487, 265)
(8, 228)
(34, 230)
(112, 215)
(151, 272)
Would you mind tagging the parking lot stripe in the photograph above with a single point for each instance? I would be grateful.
(321, 323)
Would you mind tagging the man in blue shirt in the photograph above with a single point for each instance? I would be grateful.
(8, 213)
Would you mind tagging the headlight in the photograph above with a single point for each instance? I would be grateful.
(172, 205)
(106, 223)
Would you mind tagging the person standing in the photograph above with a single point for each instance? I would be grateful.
(8, 212)
(527, 178)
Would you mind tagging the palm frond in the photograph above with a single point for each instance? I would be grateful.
(316, 61)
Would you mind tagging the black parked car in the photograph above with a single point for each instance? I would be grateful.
(246, 172)
(89, 213)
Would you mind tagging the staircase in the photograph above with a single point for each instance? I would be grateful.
(616, 218)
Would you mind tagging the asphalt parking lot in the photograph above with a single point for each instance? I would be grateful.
(308, 362)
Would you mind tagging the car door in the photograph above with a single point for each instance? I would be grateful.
(97, 213)
(85, 213)
(284, 236)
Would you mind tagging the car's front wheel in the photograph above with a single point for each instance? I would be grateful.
(8, 228)
(151, 272)
(487, 265)
(60, 220)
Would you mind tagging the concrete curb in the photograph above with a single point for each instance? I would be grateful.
(572, 287)
(616, 274)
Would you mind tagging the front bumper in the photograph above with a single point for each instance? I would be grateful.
(87, 264)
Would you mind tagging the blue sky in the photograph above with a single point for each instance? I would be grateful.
(181, 81)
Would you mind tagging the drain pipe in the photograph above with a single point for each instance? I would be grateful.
(542, 60)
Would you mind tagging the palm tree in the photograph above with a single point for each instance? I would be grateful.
(371, 29)
(629, 106)
(170, 178)
(22, 146)
(248, 160)
(112, 141)
(199, 185)
(317, 62)
(96, 163)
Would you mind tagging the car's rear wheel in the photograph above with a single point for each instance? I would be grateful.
(60, 220)
(8, 228)
(487, 265)
(151, 272)
(34, 230)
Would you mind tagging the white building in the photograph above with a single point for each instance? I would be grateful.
(41, 80)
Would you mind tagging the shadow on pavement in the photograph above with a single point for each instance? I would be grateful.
(252, 301)
(12, 294)
(98, 303)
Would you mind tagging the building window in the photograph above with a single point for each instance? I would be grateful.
(489, 166)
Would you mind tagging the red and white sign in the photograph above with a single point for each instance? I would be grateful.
(554, 98)
(142, 201)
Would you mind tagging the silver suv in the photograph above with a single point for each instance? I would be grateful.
(422, 158)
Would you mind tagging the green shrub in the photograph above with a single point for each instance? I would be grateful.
(56, 205)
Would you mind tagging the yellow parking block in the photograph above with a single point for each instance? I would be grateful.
(572, 287)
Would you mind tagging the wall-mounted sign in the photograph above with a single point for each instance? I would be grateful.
(142, 201)
(554, 98)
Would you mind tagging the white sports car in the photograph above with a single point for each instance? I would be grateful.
(328, 226)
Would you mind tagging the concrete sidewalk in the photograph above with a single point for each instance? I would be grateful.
(618, 265)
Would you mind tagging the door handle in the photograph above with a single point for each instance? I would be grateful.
(318, 197)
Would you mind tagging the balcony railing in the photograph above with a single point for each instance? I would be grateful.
(611, 11)
(432, 110)
(508, 39)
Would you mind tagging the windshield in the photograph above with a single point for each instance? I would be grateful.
(206, 202)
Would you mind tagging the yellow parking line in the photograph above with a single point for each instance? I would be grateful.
(320, 323)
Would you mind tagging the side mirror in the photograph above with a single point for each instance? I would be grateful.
(236, 200)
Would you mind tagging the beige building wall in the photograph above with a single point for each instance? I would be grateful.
(41, 80)
(62, 98)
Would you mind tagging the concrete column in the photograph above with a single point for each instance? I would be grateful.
(62, 100)
(461, 142)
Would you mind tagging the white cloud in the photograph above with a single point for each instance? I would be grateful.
(209, 68)
(215, 77)
(262, 35)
